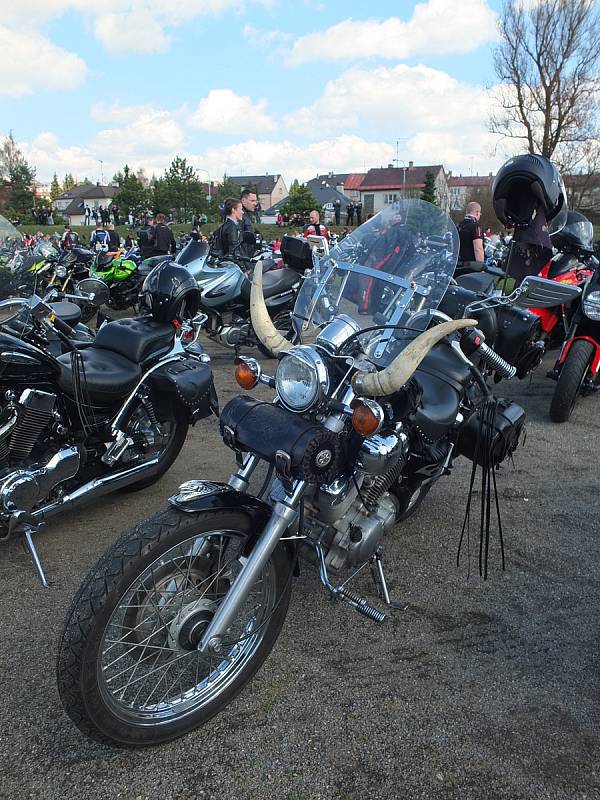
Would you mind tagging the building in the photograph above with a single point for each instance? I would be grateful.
(42, 191)
(462, 188)
(386, 185)
(346, 183)
(583, 194)
(71, 204)
(326, 193)
(269, 188)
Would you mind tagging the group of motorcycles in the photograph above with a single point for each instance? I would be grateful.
(387, 359)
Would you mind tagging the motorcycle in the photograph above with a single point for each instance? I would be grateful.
(225, 288)
(577, 370)
(371, 410)
(85, 420)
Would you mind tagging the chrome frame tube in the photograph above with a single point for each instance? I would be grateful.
(284, 514)
(240, 480)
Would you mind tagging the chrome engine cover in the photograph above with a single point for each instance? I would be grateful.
(358, 532)
(22, 489)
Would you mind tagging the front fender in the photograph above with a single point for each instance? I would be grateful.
(194, 496)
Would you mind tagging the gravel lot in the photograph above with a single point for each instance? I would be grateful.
(472, 690)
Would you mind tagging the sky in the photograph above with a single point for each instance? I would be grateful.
(248, 86)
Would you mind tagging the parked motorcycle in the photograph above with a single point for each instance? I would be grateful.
(371, 410)
(94, 419)
(577, 369)
(225, 289)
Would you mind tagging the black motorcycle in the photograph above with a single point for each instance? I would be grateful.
(109, 415)
(371, 409)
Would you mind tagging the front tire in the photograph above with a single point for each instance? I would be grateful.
(140, 613)
(570, 380)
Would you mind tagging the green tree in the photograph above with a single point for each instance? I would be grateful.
(180, 190)
(300, 200)
(428, 192)
(55, 188)
(132, 193)
(17, 176)
(68, 182)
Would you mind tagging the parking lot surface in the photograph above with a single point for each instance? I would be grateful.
(471, 689)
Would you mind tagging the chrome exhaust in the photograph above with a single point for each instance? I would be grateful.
(96, 488)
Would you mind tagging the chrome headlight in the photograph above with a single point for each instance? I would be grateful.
(301, 379)
(60, 272)
(591, 306)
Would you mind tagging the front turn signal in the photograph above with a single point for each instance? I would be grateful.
(247, 372)
(367, 417)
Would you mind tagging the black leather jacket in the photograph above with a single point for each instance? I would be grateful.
(230, 236)
(247, 249)
(164, 241)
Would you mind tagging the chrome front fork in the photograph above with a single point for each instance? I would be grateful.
(284, 514)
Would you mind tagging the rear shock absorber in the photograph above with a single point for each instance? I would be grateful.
(473, 341)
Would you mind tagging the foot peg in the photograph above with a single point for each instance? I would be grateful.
(117, 448)
(360, 604)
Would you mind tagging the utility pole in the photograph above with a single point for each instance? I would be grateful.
(101, 171)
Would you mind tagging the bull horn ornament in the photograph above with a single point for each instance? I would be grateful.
(395, 375)
(261, 321)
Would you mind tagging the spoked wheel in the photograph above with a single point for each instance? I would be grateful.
(129, 668)
(151, 439)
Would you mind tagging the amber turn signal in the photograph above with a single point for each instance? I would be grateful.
(367, 417)
(247, 373)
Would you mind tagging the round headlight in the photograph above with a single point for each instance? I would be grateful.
(301, 379)
(61, 272)
(591, 306)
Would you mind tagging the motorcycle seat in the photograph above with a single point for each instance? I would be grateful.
(106, 377)
(148, 264)
(136, 339)
(275, 282)
(476, 282)
(439, 405)
(67, 312)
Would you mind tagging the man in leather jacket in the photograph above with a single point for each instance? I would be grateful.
(249, 202)
(146, 238)
(164, 241)
(229, 240)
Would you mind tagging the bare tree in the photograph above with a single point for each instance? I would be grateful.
(547, 66)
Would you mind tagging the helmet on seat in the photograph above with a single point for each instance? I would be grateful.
(170, 293)
(526, 184)
(577, 234)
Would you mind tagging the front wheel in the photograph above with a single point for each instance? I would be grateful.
(570, 380)
(129, 671)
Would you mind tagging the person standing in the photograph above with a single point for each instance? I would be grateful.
(130, 217)
(337, 210)
(358, 211)
(471, 234)
(249, 202)
(116, 214)
(314, 227)
(86, 215)
(229, 235)
(67, 240)
(114, 240)
(350, 213)
(164, 241)
(146, 238)
(99, 240)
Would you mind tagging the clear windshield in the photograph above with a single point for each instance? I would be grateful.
(398, 263)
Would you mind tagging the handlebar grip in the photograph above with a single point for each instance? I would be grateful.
(62, 326)
(496, 362)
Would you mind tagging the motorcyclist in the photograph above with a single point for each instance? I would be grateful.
(471, 234)
(163, 239)
(249, 202)
(146, 238)
(229, 235)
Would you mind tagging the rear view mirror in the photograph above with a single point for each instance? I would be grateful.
(535, 292)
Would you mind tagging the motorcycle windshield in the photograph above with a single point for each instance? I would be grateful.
(398, 263)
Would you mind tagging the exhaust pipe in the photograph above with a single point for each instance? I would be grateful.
(96, 488)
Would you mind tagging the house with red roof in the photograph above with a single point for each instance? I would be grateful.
(386, 185)
(462, 187)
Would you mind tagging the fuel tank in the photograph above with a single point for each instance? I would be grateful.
(21, 362)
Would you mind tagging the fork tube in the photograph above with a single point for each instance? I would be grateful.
(284, 513)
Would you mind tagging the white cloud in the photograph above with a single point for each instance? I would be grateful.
(134, 30)
(224, 111)
(115, 112)
(436, 26)
(347, 153)
(151, 134)
(29, 61)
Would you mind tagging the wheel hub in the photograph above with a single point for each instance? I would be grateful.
(187, 628)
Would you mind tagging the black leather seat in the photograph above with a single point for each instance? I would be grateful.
(476, 282)
(107, 377)
(148, 264)
(439, 405)
(67, 312)
(137, 339)
(276, 281)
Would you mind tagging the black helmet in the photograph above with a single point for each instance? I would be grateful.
(525, 184)
(577, 234)
(170, 293)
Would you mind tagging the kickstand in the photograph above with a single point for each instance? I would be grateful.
(380, 581)
(29, 545)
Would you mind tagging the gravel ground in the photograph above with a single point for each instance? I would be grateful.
(471, 690)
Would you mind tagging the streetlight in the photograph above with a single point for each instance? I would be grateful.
(101, 171)
(208, 173)
(398, 160)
